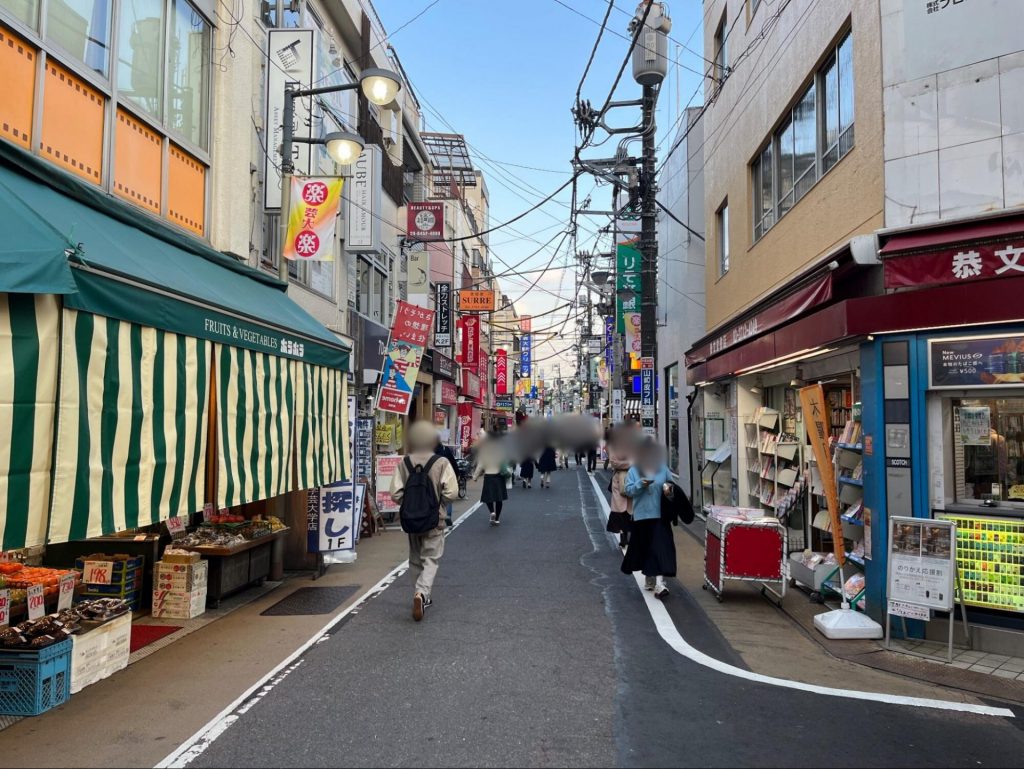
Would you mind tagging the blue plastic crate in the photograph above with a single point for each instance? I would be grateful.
(33, 681)
(117, 589)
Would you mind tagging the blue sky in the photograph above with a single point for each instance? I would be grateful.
(504, 73)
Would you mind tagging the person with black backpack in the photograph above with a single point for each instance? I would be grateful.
(423, 482)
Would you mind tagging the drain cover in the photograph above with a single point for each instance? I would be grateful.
(311, 600)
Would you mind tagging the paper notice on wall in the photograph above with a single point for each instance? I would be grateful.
(976, 425)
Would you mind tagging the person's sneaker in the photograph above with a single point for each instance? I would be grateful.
(649, 584)
(497, 521)
(494, 519)
(661, 591)
(419, 603)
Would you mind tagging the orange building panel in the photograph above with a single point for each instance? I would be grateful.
(137, 154)
(72, 123)
(186, 190)
(18, 64)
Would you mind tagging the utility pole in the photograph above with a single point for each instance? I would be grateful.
(649, 245)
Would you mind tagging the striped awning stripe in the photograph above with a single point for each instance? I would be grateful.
(28, 392)
(131, 427)
(256, 403)
(320, 425)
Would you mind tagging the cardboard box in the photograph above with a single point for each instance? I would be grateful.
(180, 577)
(180, 558)
(100, 652)
(179, 604)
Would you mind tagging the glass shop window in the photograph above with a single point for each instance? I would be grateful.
(988, 460)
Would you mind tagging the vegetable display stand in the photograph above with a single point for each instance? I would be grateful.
(33, 681)
(236, 567)
(741, 544)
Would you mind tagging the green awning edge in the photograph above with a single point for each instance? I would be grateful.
(102, 295)
(44, 172)
(35, 272)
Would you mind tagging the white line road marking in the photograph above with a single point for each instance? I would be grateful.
(670, 634)
(197, 744)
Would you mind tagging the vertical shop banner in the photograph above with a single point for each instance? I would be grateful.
(603, 373)
(385, 470)
(418, 285)
(609, 342)
(471, 342)
(647, 394)
(501, 372)
(816, 417)
(465, 426)
(618, 398)
(525, 355)
(337, 507)
(363, 218)
(483, 374)
(363, 453)
(409, 334)
(627, 279)
(314, 206)
(632, 322)
(290, 52)
(443, 316)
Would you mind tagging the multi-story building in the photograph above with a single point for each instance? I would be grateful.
(863, 207)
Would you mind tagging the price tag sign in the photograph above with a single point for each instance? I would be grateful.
(36, 602)
(67, 592)
(208, 511)
(5, 557)
(5, 607)
(175, 527)
(98, 572)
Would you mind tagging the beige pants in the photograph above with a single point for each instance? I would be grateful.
(425, 550)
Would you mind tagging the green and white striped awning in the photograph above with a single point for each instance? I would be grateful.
(131, 427)
(28, 391)
(321, 425)
(255, 409)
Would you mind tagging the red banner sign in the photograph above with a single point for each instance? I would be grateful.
(526, 324)
(471, 342)
(449, 394)
(425, 221)
(956, 265)
(501, 373)
(465, 425)
(409, 333)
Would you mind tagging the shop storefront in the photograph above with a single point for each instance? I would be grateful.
(149, 383)
(445, 397)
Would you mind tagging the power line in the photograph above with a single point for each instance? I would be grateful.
(593, 51)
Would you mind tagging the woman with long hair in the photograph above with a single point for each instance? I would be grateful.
(620, 519)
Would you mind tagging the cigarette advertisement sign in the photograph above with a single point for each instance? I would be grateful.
(978, 362)
(404, 355)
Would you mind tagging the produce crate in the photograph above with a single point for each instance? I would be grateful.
(33, 681)
(115, 589)
(122, 569)
(126, 582)
(100, 652)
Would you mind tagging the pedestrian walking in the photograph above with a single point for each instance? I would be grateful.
(591, 457)
(526, 470)
(421, 484)
(620, 518)
(547, 465)
(491, 465)
(607, 449)
(579, 457)
(446, 451)
(652, 548)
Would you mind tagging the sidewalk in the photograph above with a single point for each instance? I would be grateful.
(783, 642)
(139, 715)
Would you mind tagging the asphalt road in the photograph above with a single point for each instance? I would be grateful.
(538, 651)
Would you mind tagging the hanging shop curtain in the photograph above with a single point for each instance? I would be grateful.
(28, 392)
(255, 407)
(321, 426)
(131, 427)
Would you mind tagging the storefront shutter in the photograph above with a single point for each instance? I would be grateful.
(321, 425)
(28, 391)
(131, 430)
(256, 404)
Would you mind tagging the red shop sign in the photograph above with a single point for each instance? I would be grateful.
(501, 372)
(956, 265)
(449, 394)
(471, 342)
(425, 221)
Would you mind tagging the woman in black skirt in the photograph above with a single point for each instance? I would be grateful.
(526, 468)
(652, 548)
(491, 466)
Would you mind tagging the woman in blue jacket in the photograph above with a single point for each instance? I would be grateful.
(652, 548)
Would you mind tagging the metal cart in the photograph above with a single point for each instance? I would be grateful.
(742, 544)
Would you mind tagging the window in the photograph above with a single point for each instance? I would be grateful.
(140, 54)
(988, 462)
(25, 11)
(292, 14)
(82, 29)
(837, 100)
(188, 70)
(372, 290)
(721, 52)
(812, 137)
(722, 233)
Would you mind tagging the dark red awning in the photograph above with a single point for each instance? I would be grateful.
(955, 306)
(936, 237)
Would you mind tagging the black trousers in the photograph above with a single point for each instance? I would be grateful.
(592, 461)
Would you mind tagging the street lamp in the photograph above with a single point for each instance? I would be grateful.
(380, 86)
